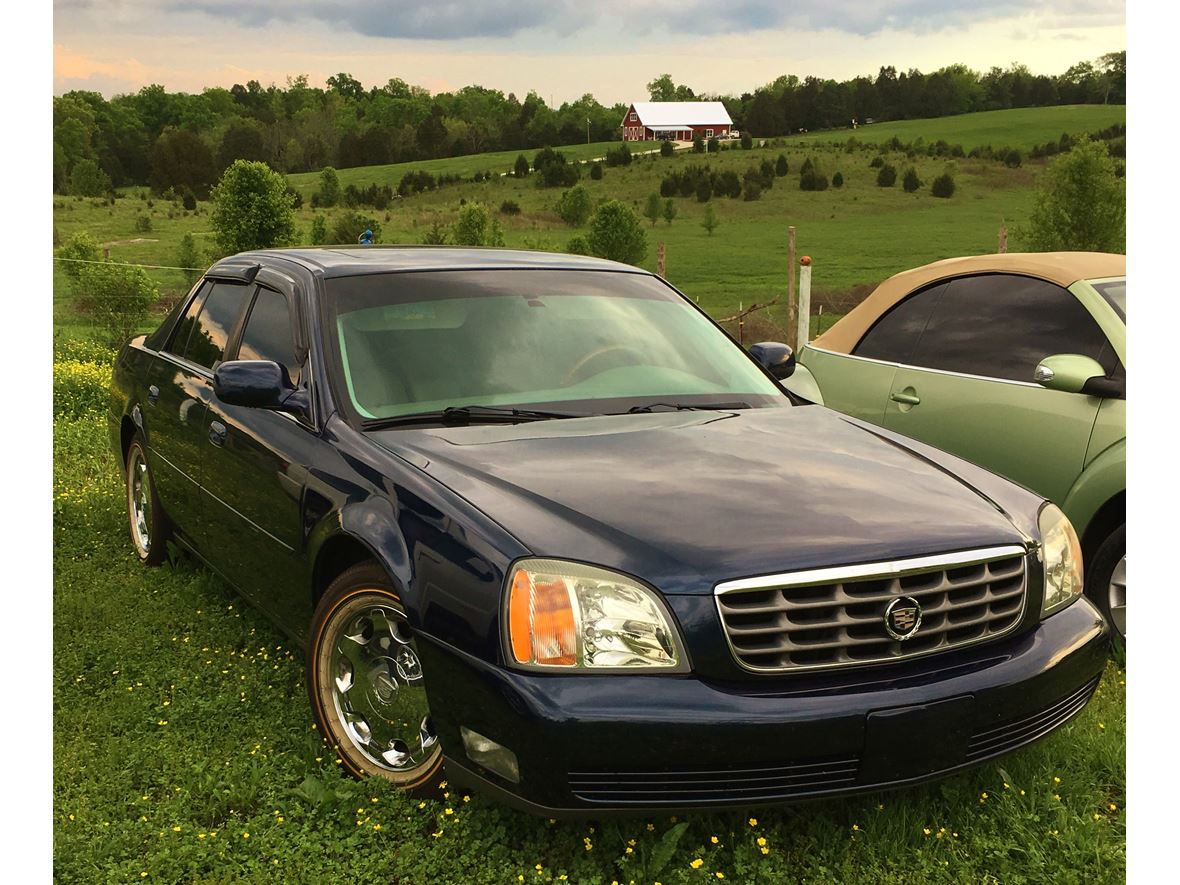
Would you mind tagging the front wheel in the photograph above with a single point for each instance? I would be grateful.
(366, 683)
(1106, 581)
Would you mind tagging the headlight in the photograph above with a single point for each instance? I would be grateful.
(1062, 555)
(566, 615)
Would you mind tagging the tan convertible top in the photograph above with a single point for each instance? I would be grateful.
(1063, 268)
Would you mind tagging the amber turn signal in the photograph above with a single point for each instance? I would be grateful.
(541, 624)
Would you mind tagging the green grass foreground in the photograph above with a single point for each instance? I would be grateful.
(184, 752)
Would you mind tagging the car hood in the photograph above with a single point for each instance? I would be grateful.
(687, 499)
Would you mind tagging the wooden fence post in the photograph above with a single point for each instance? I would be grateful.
(106, 253)
(661, 259)
(1003, 241)
(791, 315)
(804, 333)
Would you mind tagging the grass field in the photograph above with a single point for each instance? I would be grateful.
(1019, 128)
(184, 752)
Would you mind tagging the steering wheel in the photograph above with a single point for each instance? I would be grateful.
(574, 373)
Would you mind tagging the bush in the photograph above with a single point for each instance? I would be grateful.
(476, 227)
(813, 180)
(438, 235)
(80, 388)
(328, 194)
(510, 207)
(596, 171)
(1012, 158)
(117, 296)
(553, 170)
(319, 230)
(575, 206)
(838, 180)
(415, 182)
(910, 181)
(616, 233)
(77, 248)
(943, 186)
(143, 224)
(188, 256)
(251, 208)
(620, 156)
(348, 227)
(728, 184)
(89, 180)
(746, 141)
(780, 165)
(520, 168)
(296, 197)
(652, 208)
(189, 200)
(886, 176)
(578, 246)
(666, 149)
(1080, 203)
(704, 189)
(669, 211)
(877, 162)
(714, 146)
(710, 222)
(698, 144)
(752, 190)
(767, 171)
(808, 165)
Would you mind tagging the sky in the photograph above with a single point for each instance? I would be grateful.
(561, 48)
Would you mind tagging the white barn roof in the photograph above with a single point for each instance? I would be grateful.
(682, 113)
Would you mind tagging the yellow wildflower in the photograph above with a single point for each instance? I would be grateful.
(753, 821)
(697, 864)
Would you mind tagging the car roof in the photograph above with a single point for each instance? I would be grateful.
(337, 261)
(1062, 268)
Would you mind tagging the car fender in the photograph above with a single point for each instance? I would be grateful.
(372, 523)
(1104, 477)
(802, 383)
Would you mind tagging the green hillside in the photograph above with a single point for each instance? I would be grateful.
(1018, 128)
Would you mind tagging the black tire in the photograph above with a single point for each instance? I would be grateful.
(1102, 585)
(149, 526)
(366, 685)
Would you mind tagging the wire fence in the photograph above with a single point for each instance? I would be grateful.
(127, 263)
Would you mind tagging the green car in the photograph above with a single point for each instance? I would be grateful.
(1015, 362)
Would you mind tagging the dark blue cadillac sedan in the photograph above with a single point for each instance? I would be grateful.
(537, 519)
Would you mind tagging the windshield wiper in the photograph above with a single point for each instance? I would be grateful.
(469, 415)
(687, 407)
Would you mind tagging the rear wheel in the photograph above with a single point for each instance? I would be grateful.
(149, 526)
(366, 683)
(1106, 580)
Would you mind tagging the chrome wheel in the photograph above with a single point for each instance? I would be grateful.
(372, 672)
(1116, 596)
(139, 502)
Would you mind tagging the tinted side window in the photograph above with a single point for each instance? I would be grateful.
(267, 335)
(219, 315)
(184, 325)
(894, 336)
(1001, 326)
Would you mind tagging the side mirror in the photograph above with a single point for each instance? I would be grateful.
(778, 359)
(258, 384)
(1072, 373)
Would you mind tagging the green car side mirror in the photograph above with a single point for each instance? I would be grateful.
(1071, 373)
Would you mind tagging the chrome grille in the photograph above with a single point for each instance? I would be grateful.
(835, 617)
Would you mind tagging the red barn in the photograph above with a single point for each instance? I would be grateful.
(676, 120)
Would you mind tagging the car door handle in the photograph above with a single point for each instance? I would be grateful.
(153, 394)
(217, 433)
(909, 399)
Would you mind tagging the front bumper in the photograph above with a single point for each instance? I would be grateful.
(591, 745)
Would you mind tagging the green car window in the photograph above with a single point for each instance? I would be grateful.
(1002, 325)
(895, 335)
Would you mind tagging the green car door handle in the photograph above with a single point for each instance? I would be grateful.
(909, 399)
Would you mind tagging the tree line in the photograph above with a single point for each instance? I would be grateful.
(183, 142)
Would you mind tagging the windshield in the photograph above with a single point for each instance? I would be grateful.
(1114, 291)
(591, 341)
